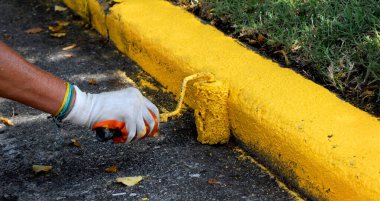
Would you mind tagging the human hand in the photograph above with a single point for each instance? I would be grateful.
(126, 110)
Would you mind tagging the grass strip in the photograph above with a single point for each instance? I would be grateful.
(335, 43)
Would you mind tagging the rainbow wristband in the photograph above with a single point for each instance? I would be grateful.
(61, 113)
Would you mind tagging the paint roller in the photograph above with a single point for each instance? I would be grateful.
(211, 115)
(210, 108)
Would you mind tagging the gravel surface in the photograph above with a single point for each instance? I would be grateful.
(174, 165)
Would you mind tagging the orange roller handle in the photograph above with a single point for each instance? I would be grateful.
(117, 131)
(111, 129)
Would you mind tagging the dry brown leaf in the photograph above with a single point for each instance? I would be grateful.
(41, 168)
(295, 47)
(260, 39)
(68, 55)
(59, 8)
(112, 169)
(213, 181)
(6, 121)
(58, 35)
(75, 142)
(34, 30)
(62, 23)
(92, 82)
(129, 181)
(69, 47)
(283, 54)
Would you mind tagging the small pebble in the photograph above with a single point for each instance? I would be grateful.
(195, 175)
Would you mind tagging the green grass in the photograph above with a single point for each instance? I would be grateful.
(339, 39)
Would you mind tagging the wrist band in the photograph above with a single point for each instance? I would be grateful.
(61, 113)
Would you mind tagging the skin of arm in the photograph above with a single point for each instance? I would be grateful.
(23, 82)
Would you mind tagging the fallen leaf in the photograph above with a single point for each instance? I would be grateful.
(260, 39)
(55, 29)
(41, 168)
(59, 8)
(213, 181)
(144, 198)
(7, 36)
(6, 121)
(75, 142)
(295, 47)
(112, 169)
(34, 30)
(283, 54)
(129, 181)
(69, 47)
(58, 35)
(92, 82)
(68, 55)
(62, 23)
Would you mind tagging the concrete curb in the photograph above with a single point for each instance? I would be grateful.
(322, 146)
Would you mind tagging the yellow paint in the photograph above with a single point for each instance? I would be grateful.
(177, 112)
(124, 78)
(80, 7)
(211, 112)
(211, 115)
(147, 84)
(284, 118)
(244, 156)
(97, 16)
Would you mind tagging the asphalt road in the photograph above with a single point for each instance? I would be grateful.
(174, 165)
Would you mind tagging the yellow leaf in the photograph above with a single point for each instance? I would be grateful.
(69, 47)
(6, 121)
(117, 1)
(59, 8)
(62, 23)
(55, 28)
(75, 142)
(129, 181)
(34, 30)
(144, 198)
(58, 35)
(112, 169)
(41, 168)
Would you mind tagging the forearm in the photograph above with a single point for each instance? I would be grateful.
(23, 82)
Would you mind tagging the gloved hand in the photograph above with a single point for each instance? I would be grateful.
(127, 110)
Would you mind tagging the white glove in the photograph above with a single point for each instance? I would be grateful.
(127, 110)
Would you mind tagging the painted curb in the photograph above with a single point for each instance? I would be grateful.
(320, 145)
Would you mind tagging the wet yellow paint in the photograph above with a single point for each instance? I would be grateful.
(211, 112)
(325, 147)
(184, 88)
(147, 84)
(124, 78)
(244, 156)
